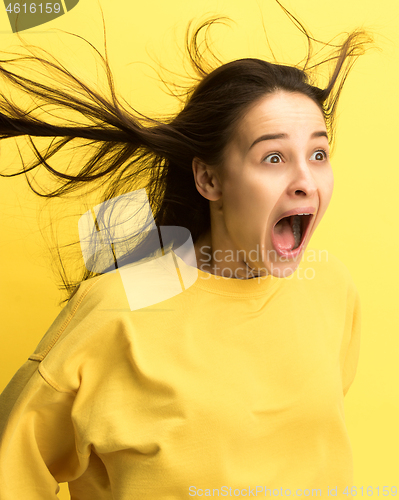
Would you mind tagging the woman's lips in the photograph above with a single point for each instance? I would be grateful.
(292, 254)
(296, 211)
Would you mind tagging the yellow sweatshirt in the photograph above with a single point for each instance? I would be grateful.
(230, 388)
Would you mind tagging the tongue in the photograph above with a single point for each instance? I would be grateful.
(283, 235)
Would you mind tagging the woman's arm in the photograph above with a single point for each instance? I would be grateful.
(39, 445)
(353, 350)
(37, 439)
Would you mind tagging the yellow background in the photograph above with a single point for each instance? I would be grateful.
(360, 224)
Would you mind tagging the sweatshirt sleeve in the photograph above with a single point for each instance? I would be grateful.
(353, 350)
(38, 447)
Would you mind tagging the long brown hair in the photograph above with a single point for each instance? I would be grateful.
(128, 150)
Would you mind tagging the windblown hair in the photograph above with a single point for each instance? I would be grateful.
(128, 150)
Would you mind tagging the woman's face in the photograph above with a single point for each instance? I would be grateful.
(277, 165)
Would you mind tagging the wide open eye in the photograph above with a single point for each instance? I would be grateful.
(273, 158)
(319, 155)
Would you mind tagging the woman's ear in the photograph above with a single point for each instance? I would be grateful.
(206, 180)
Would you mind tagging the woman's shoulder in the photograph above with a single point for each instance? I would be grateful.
(97, 291)
(89, 330)
(93, 301)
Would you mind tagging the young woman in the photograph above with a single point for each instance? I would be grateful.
(228, 384)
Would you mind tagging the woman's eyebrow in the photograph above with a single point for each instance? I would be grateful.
(268, 137)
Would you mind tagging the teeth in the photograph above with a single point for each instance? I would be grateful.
(303, 214)
(296, 229)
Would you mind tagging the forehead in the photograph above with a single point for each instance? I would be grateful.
(281, 112)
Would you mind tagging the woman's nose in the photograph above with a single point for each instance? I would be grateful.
(303, 183)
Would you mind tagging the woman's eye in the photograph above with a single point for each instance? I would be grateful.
(273, 158)
(319, 155)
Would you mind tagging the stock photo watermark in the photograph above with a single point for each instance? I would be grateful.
(238, 263)
(263, 491)
(29, 14)
(111, 230)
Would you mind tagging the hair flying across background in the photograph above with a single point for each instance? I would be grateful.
(126, 150)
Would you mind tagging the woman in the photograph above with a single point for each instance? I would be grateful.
(230, 385)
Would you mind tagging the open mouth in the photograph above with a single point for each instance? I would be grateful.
(289, 232)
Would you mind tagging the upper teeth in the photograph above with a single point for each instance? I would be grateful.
(302, 214)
